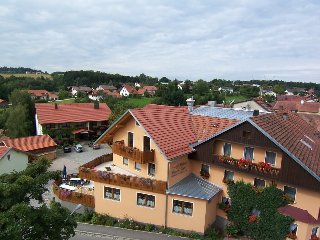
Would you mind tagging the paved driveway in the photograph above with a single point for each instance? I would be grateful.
(74, 160)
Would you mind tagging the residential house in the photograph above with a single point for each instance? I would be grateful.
(141, 91)
(151, 90)
(269, 92)
(291, 98)
(42, 94)
(107, 87)
(226, 89)
(3, 103)
(256, 103)
(127, 90)
(88, 119)
(98, 94)
(74, 90)
(295, 90)
(12, 159)
(42, 145)
(166, 148)
(294, 106)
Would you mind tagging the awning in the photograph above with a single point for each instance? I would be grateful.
(81, 130)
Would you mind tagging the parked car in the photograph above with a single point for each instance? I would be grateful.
(67, 148)
(78, 148)
(94, 146)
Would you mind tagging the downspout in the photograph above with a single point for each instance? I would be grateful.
(166, 205)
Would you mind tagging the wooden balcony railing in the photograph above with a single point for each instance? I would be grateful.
(85, 199)
(135, 154)
(253, 169)
(124, 180)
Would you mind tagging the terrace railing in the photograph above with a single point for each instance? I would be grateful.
(135, 154)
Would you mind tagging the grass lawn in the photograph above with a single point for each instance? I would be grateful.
(235, 98)
(6, 75)
(140, 102)
(65, 101)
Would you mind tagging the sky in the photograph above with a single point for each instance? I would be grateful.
(182, 39)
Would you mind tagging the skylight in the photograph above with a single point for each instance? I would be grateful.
(305, 144)
(309, 138)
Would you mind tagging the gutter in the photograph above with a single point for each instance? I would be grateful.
(166, 205)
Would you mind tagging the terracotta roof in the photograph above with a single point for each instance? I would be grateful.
(298, 214)
(114, 94)
(51, 95)
(311, 91)
(208, 126)
(165, 124)
(1, 100)
(290, 98)
(130, 89)
(150, 88)
(38, 93)
(30, 143)
(81, 130)
(81, 89)
(312, 107)
(71, 112)
(3, 150)
(262, 103)
(295, 135)
(312, 119)
(107, 87)
(141, 91)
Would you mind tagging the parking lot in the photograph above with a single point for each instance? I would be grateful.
(74, 160)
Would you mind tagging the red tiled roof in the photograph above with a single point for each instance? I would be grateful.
(53, 95)
(312, 119)
(38, 93)
(150, 88)
(3, 150)
(30, 143)
(1, 100)
(107, 87)
(81, 88)
(71, 112)
(204, 126)
(114, 94)
(165, 125)
(312, 107)
(311, 91)
(130, 89)
(298, 214)
(265, 105)
(290, 98)
(289, 134)
(81, 130)
(141, 91)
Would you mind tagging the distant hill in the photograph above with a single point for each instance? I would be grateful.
(18, 70)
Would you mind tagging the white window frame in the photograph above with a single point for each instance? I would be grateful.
(138, 170)
(143, 141)
(295, 197)
(154, 170)
(223, 153)
(244, 152)
(227, 199)
(126, 165)
(297, 228)
(259, 179)
(317, 232)
(206, 165)
(182, 214)
(145, 206)
(224, 174)
(132, 138)
(275, 160)
(110, 199)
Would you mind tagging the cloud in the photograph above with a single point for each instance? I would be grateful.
(178, 39)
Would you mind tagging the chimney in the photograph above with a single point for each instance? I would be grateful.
(96, 105)
(56, 106)
(190, 103)
(302, 102)
(255, 112)
(285, 116)
(212, 103)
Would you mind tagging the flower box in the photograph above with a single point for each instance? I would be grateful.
(224, 206)
(292, 236)
(204, 174)
(227, 181)
(257, 189)
(264, 167)
(244, 163)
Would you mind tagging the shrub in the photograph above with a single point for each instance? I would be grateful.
(149, 227)
(126, 222)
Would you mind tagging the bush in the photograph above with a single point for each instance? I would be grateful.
(149, 227)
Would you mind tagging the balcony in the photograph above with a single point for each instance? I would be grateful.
(117, 179)
(253, 169)
(134, 154)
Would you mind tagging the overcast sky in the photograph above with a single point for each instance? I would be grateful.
(207, 39)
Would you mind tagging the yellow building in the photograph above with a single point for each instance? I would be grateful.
(167, 149)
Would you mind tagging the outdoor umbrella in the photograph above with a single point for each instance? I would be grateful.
(64, 173)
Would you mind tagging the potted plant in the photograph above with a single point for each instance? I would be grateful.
(257, 189)
(225, 159)
(244, 163)
(265, 167)
(288, 199)
(228, 181)
(292, 236)
(77, 195)
(204, 174)
(231, 229)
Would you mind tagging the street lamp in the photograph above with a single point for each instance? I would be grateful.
(77, 208)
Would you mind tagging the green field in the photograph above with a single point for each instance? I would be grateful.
(7, 75)
(235, 98)
(65, 101)
(140, 102)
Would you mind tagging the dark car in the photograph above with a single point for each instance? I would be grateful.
(67, 148)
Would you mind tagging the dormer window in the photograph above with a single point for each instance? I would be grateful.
(285, 116)
(246, 134)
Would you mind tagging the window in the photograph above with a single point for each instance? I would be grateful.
(151, 169)
(146, 200)
(130, 139)
(293, 228)
(104, 123)
(290, 191)
(248, 153)
(226, 200)
(137, 124)
(146, 143)
(246, 134)
(255, 211)
(205, 167)
(227, 149)
(52, 125)
(259, 182)
(80, 124)
(137, 166)
(125, 161)
(65, 125)
(93, 124)
(315, 232)
(182, 207)
(270, 158)
(228, 174)
(112, 193)
(9, 157)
